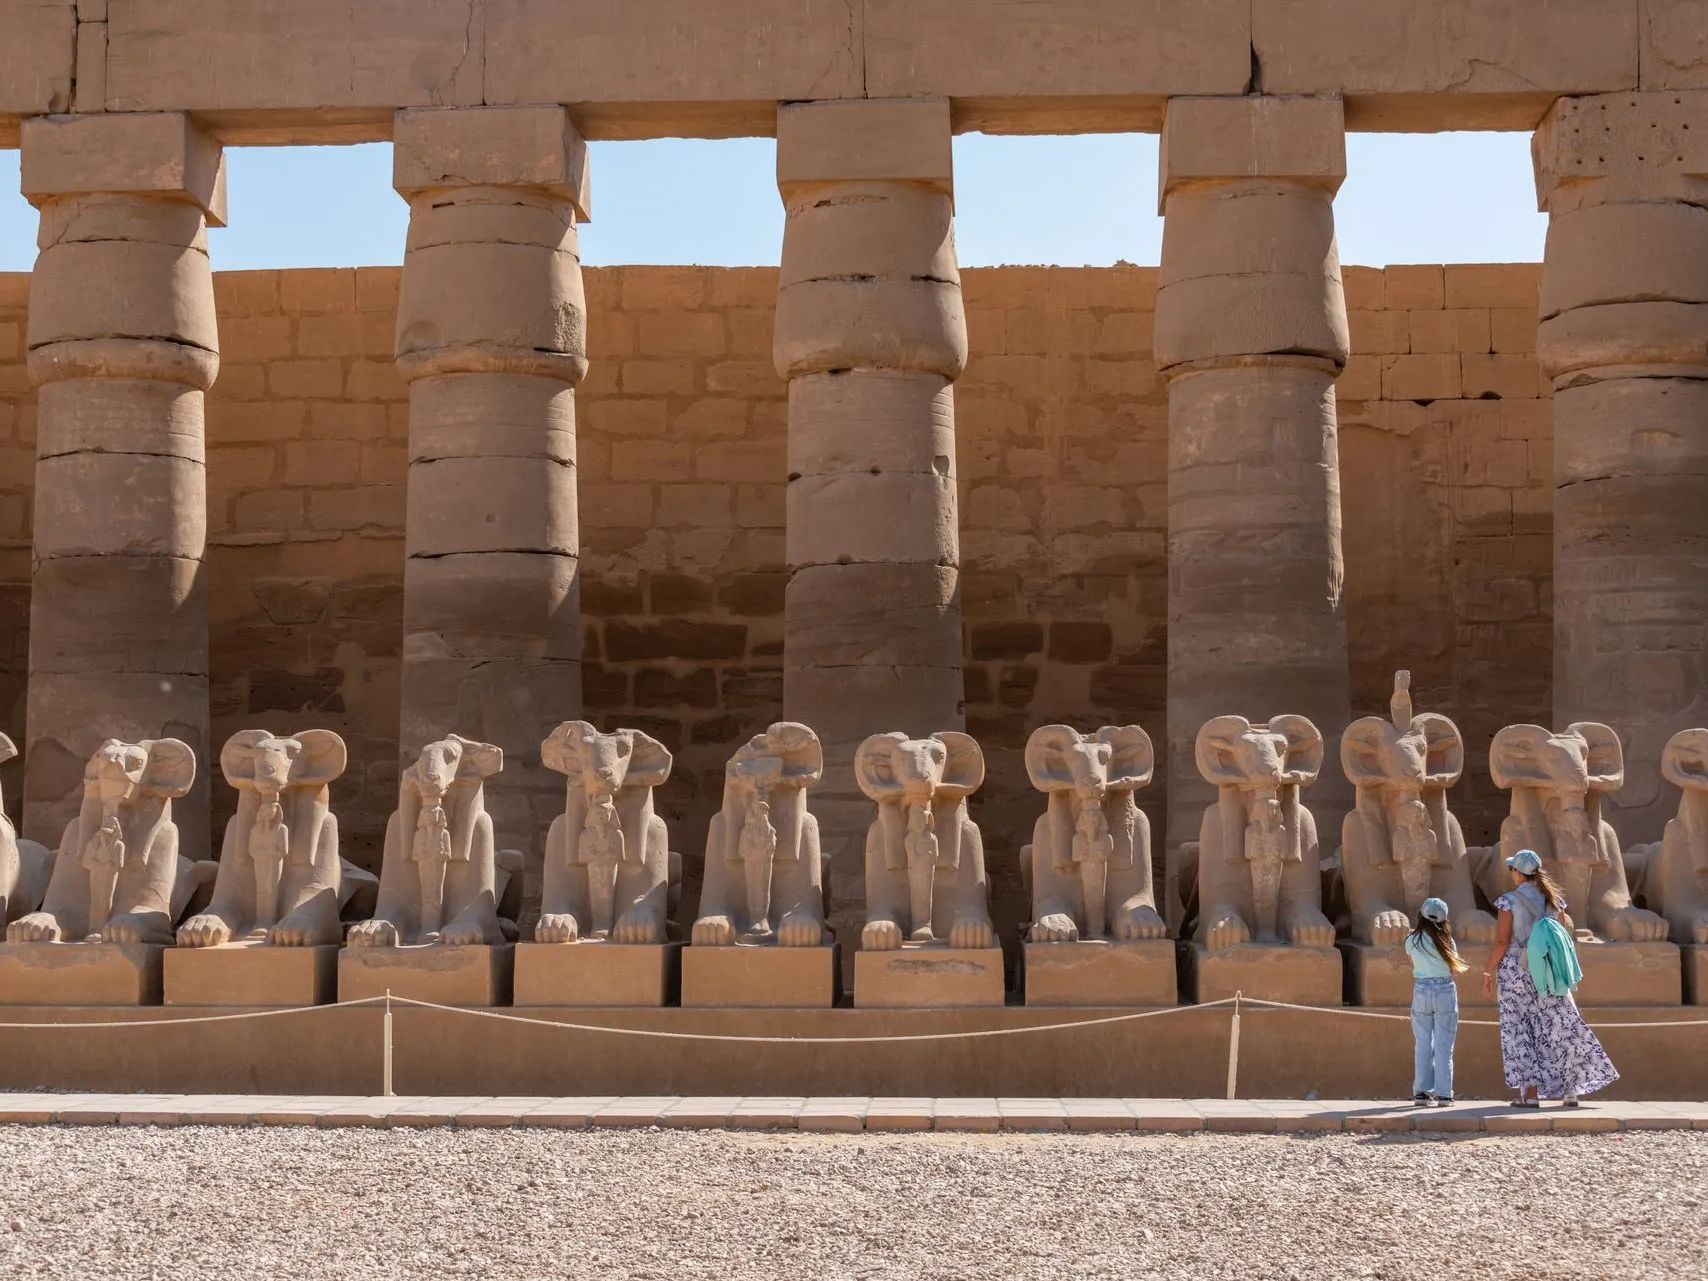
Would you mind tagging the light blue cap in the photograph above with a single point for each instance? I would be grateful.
(1434, 909)
(1528, 862)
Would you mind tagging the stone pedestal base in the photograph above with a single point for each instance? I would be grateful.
(1630, 974)
(477, 974)
(1101, 972)
(1695, 958)
(761, 977)
(1382, 975)
(592, 973)
(1265, 972)
(251, 974)
(80, 973)
(928, 977)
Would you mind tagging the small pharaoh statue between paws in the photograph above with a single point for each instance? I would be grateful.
(1268, 849)
(269, 847)
(601, 850)
(756, 851)
(103, 856)
(431, 852)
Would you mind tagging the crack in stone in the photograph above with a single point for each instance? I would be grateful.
(499, 551)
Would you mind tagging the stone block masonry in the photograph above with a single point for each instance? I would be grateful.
(1061, 454)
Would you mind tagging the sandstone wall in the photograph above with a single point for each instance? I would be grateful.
(1445, 447)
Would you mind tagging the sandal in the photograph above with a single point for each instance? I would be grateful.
(1525, 1103)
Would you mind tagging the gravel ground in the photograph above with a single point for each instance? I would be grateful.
(146, 1204)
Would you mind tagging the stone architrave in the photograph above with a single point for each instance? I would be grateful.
(1261, 928)
(123, 343)
(1623, 178)
(24, 865)
(1251, 334)
(871, 335)
(491, 338)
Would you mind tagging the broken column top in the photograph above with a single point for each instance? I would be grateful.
(152, 154)
(1616, 148)
(437, 148)
(1300, 140)
(873, 139)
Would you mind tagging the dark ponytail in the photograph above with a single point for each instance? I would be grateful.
(1439, 934)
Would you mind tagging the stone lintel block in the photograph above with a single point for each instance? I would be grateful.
(80, 973)
(471, 975)
(1628, 974)
(255, 974)
(865, 140)
(1695, 959)
(1615, 148)
(531, 146)
(1265, 972)
(761, 977)
(927, 976)
(595, 973)
(1101, 972)
(154, 154)
(1382, 975)
(1299, 140)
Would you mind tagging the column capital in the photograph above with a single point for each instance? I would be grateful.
(866, 140)
(440, 148)
(1286, 139)
(164, 154)
(1622, 148)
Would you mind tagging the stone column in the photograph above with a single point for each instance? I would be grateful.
(1251, 334)
(122, 345)
(1624, 336)
(491, 338)
(871, 336)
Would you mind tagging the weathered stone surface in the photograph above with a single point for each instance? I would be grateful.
(161, 153)
(471, 974)
(532, 146)
(80, 974)
(601, 974)
(925, 977)
(38, 58)
(251, 974)
(1104, 972)
(760, 977)
(1265, 972)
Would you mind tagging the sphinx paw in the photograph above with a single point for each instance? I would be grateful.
(800, 929)
(37, 927)
(133, 928)
(880, 936)
(1634, 925)
(373, 934)
(1699, 928)
(561, 927)
(1227, 930)
(1477, 927)
(206, 930)
(639, 926)
(1054, 927)
(972, 933)
(1310, 929)
(462, 934)
(1389, 927)
(1140, 922)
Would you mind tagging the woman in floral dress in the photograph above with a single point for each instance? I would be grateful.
(1548, 1050)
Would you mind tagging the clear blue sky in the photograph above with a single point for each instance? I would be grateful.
(1070, 201)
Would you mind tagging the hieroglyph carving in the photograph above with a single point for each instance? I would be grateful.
(1401, 844)
(1674, 870)
(1089, 863)
(608, 868)
(24, 865)
(117, 877)
(1259, 873)
(1557, 783)
(762, 849)
(279, 871)
(437, 879)
(925, 874)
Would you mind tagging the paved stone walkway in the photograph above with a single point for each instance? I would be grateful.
(1255, 1116)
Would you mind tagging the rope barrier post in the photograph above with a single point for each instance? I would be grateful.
(1233, 1050)
(386, 1083)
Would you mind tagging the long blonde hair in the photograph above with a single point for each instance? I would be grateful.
(1440, 935)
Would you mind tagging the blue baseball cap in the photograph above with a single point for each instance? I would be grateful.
(1434, 909)
(1527, 862)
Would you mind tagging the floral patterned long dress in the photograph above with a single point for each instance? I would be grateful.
(1544, 1042)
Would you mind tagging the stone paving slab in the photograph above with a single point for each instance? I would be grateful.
(851, 1114)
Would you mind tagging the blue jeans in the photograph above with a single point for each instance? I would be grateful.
(1434, 1024)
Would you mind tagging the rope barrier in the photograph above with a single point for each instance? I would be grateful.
(201, 1018)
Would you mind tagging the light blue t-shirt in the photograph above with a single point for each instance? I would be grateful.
(1426, 962)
